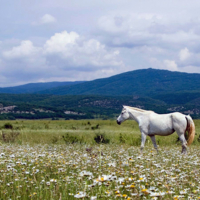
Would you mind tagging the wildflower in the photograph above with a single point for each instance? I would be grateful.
(155, 194)
(124, 195)
(183, 192)
(80, 195)
(53, 181)
(112, 164)
(48, 183)
(145, 191)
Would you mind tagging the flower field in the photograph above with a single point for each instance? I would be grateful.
(63, 160)
(98, 172)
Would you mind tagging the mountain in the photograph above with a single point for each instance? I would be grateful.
(35, 87)
(159, 90)
(37, 106)
(144, 82)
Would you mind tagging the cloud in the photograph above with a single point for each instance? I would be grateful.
(45, 19)
(170, 65)
(154, 39)
(184, 54)
(164, 64)
(113, 37)
(151, 29)
(25, 49)
(61, 42)
(64, 56)
(73, 50)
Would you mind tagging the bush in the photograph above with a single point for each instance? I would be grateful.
(7, 126)
(95, 127)
(55, 139)
(9, 136)
(100, 138)
(71, 139)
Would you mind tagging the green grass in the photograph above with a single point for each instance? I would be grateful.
(39, 164)
(52, 132)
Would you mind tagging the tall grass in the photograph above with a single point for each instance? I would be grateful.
(53, 132)
(40, 164)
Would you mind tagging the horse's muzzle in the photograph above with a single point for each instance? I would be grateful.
(118, 122)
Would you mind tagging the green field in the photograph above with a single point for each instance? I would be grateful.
(36, 162)
(52, 131)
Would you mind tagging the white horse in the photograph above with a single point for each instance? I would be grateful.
(151, 124)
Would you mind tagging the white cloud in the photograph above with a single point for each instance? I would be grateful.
(65, 56)
(170, 65)
(61, 42)
(25, 49)
(184, 54)
(47, 19)
(76, 51)
(113, 37)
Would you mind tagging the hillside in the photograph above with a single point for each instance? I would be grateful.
(35, 87)
(159, 90)
(145, 82)
(37, 106)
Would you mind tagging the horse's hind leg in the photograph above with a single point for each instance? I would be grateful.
(153, 139)
(184, 143)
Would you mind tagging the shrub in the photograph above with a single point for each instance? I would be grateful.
(71, 139)
(55, 139)
(95, 127)
(100, 138)
(7, 126)
(9, 136)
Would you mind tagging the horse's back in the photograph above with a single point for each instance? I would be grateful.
(160, 124)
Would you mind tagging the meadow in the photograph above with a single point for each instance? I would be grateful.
(93, 159)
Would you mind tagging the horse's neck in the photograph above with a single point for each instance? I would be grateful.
(135, 115)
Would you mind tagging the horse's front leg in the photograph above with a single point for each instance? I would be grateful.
(142, 142)
(153, 139)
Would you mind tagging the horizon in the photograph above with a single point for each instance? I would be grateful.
(94, 79)
(72, 40)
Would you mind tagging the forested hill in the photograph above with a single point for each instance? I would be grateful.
(159, 90)
(35, 87)
(146, 82)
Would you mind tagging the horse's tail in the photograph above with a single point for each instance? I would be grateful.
(191, 129)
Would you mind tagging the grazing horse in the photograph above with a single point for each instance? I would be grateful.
(151, 124)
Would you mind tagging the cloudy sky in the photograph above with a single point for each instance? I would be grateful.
(73, 40)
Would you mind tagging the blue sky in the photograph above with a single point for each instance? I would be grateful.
(45, 40)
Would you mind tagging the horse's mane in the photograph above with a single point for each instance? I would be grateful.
(137, 109)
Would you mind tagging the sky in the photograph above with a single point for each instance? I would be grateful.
(65, 40)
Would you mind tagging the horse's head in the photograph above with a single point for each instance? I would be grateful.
(123, 116)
